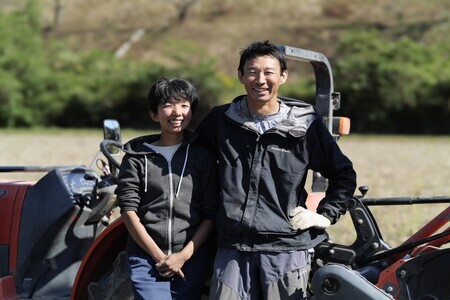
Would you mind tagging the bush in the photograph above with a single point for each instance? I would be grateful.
(392, 86)
(387, 86)
(22, 71)
(80, 89)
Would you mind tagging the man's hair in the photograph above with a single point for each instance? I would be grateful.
(257, 49)
(164, 90)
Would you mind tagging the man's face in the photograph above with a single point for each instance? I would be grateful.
(262, 77)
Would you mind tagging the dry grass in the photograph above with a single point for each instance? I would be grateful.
(397, 166)
(220, 28)
(390, 166)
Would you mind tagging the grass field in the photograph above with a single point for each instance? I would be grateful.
(389, 165)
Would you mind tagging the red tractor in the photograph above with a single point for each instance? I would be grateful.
(57, 240)
(48, 226)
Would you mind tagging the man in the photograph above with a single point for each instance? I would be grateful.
(265, 144)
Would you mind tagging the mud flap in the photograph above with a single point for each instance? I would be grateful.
(338, 282)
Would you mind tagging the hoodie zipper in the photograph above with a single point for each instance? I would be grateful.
(172, 197)
(169, 224)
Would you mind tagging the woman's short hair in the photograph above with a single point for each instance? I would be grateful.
(165, 90)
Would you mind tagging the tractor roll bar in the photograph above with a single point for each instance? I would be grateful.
(326, 99)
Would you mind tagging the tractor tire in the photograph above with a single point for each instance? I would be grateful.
(114, 285)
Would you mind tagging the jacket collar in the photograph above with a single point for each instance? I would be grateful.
(296, 123)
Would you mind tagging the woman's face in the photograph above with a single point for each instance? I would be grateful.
(174, 116)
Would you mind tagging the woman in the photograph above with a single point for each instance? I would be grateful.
(168, 195)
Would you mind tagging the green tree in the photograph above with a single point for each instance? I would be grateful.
(59, 87)
(388, 86)
(21, 65)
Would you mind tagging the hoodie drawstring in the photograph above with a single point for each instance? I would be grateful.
(145, 180)
(182, 171)
(181, 176)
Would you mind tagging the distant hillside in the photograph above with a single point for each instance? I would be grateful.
(194, 29)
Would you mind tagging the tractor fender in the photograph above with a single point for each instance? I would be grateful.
(99, 258)
(336, 281)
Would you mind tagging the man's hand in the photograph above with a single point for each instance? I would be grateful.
(302, 219)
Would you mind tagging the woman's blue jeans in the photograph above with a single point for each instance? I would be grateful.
(148, 284)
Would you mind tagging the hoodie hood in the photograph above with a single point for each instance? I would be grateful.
(299, 118)
(296, 122)
(136, 146)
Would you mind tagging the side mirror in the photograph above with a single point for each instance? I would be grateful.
(111, 131)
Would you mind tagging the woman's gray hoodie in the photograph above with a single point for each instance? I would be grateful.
(171, 199)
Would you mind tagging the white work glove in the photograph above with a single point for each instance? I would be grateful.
(302, 218)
